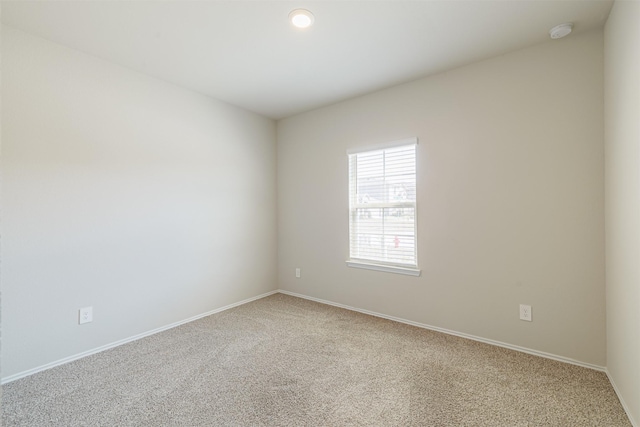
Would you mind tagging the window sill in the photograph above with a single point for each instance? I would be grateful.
(385, 268)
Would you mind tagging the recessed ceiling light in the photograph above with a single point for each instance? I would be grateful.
(301, 18)
(560, 31)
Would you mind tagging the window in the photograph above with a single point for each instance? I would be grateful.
(382, 208)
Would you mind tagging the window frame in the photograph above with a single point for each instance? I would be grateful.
(371, 264)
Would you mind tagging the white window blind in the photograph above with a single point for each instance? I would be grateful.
(382, 206)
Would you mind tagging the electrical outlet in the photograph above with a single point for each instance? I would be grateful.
(298, 273)
(525, 312)
(85, 315)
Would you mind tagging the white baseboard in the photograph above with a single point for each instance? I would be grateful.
(450, 332)
(483, 340)
(622, 402)
(59, 362)
(65, 360)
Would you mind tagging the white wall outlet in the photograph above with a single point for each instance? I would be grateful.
(298, 273)
(85, 315)
(525, 312)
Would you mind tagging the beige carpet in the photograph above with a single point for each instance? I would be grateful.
(285, 361)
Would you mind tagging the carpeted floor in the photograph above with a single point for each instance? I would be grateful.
(285, 361)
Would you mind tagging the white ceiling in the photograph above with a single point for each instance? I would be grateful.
(247, 54)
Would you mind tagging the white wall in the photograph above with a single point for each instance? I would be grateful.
(510, 199)
(148, 202)
(622, 177)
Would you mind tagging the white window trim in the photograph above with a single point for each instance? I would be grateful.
(370, 264)
(382, 146)
(386, 268)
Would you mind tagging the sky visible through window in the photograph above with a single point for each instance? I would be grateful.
(383, 206)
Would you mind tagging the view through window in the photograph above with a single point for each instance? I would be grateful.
(382, 205)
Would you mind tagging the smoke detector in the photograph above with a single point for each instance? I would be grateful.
(560, 31)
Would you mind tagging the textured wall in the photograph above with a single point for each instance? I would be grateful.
(622, 177)
(510, 199)
(125, 193)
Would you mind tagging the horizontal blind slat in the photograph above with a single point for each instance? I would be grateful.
(382, 192)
